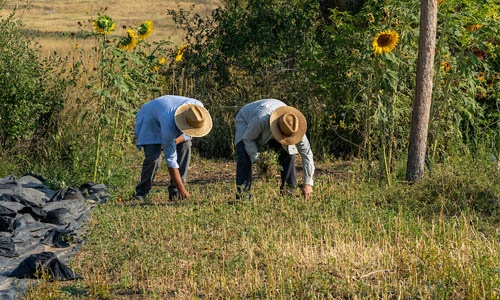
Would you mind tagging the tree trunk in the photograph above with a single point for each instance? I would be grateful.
(423, 91)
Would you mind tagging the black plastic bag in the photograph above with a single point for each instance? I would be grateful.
(67, 194)
(5, 211)
(36, 265)
(6, 224)
(58, 216)
(59, 238)
(7, 247)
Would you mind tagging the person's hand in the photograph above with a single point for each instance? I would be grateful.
(183, 194)
(307, 191)
(179, 139)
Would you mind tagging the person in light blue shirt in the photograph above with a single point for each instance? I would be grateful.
(169, 122)
(281, 127)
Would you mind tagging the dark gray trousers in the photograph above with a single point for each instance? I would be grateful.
(152, 162)
(288, 172)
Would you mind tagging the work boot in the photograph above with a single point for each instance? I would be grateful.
(173, 193)
(288, 190)
(139, 197)
(242, 194)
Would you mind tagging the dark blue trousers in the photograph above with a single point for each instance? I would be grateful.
(152, 162)
(288, 172)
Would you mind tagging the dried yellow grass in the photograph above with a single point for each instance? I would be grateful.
(66, 17)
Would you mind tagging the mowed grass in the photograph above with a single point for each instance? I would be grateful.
(352, 240)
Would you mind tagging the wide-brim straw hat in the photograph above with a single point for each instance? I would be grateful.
(193, 120)
(288, 125)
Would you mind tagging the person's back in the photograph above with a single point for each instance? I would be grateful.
(168, 123)
(272, 123)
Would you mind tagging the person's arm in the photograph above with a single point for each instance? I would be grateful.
(306, 154)
(173, 167)
(177, 180)
(252, 133)
(139, 119)
(182, 138)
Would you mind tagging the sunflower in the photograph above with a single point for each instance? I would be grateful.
(180, 52)
(370, 17)
(481, 76)
(145, 29)
(103, 24)
(155, 69)
(158, 64)
(445, 66)
(384, 42)
(129, 42)
(473, 27)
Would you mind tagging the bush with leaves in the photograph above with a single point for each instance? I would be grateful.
(358, 102)
(245, 51)
(32, 92)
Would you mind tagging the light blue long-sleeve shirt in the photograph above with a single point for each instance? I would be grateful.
(155, 124)
(252, 127)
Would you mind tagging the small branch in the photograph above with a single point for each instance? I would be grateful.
(374, 273)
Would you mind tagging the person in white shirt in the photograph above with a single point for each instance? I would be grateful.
(169, 122)
(281, 127)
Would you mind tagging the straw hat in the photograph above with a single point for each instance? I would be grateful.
(288, 125)
(193, 120)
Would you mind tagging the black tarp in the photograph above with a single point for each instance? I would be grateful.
(40, 228)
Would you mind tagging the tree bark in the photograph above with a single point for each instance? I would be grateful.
(423, 91)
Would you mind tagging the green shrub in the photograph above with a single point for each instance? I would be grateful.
(31, 96)
(449, 190)
(357, 103)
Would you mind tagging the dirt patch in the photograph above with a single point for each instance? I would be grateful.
(211, 171)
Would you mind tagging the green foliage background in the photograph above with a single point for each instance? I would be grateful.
(31, 93)
(282, 49)
(358, 104)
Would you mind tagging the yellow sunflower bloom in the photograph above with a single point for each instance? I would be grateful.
(445, 66)
(385, 42)
(481, 76)
(180, 52)
(473, 27)
(103, 24)
(145, 29)
(370, 17)
(155, 69)
(129, 42)
(161, 61)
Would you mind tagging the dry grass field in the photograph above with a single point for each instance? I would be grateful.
(54, 20)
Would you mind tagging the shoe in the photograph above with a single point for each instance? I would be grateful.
(139, 197)
(241, 197)
(288, 191)
(173, 193)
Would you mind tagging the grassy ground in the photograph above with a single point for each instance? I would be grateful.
(352, 240)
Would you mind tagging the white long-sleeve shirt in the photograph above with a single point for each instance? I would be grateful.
(252, 127)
